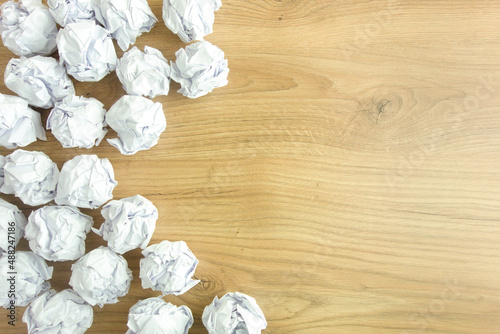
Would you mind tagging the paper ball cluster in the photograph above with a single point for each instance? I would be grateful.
(58, 232)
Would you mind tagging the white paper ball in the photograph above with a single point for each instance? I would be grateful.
(101, 276)
(58, 233)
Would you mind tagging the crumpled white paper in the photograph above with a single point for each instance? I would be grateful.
(144, 73)
(86, 182)
(19, 124)
(70, 11)
(129, 223)
(191, 20)
(31, 176)
(78, 121)
(168, 267)
(2, 163)
(12, 225)
(154, 315)
(62, 313)
(28, 28)
(101, 276)
(199, 69)
(138, 122)
(86, 50)
(234, 313)
(40, 80)
(125, 20)
(30, 279)
(57, 233)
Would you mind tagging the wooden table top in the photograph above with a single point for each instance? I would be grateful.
(347, 177)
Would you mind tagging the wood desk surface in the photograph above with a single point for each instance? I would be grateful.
(347, 177)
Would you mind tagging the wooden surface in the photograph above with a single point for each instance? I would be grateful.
(347, 177)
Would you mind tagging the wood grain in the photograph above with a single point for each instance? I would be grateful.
(347, 177)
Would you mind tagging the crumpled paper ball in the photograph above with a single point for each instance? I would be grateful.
(199, 69)
(138, 122)
(42, 81)
(125, 20)
(86, 50)
(101, 276)
(78, 121)
(191, 20)
(86, 182)
(31, 279)
(58, 233)
(62, 313)
(129, 223)
(19, 124)
(154, 315)
(27, 28)
(234, 313)
(71, 11)
(31, 176)
(168, 267)
(144, 73)
(12, 225)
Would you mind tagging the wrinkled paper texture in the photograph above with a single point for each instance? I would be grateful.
(101, 276)
(168, 267)
(2, 163)
(31, 176)
(129, 223)
(27, 28)
(144, 73)
(42, 81)
(71, 11)
(86, 50)
(31, 278)
(138, 122)
(125, 20)
(199, 68)
(12, 225)
(234, 313)
(19, 124)
(58, 233)
(86, 182)
(154, 315)
(78, 121)
(191, 20)
(62, 313)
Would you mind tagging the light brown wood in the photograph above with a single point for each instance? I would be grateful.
(347, 177)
